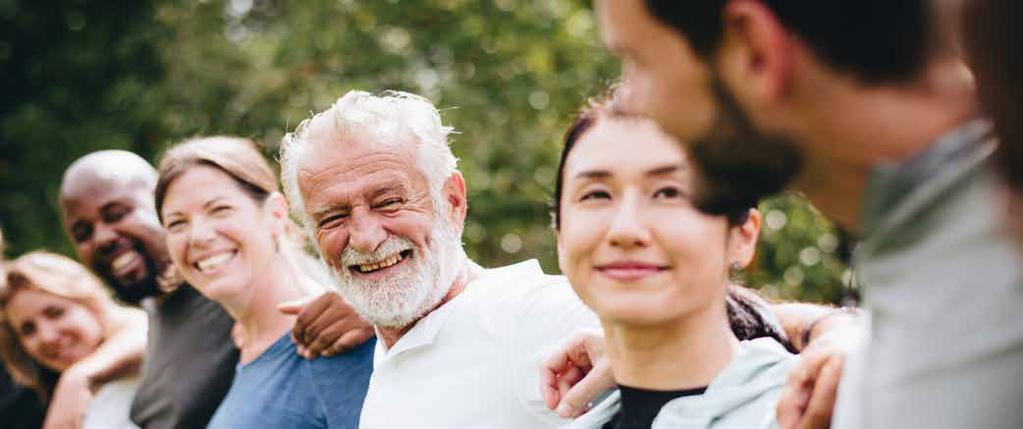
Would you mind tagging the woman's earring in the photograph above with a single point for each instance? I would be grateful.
(733, 269)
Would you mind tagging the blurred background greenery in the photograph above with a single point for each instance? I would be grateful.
(81, 75)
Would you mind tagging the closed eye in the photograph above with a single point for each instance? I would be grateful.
(333, 220)
(220, 210)
(389, 204)
(174, 225)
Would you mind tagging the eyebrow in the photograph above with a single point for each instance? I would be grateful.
(330, 208)
(387, 188)
(656, 171)
(205, 205)
(212, 202)
(665, 170)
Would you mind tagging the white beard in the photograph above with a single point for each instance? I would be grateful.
(416, 286)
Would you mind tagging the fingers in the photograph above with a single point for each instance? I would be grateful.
(577, 399)
(292, 307)
(825, 391)
(550, 367)
(315, 317)
(351, 339)
(792, 401)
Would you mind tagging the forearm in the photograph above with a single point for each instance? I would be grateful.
(120, 354)
(804, 322)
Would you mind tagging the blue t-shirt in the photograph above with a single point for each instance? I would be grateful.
(280, 389)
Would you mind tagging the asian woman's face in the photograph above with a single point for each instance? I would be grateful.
(632, 244)
(55, 331)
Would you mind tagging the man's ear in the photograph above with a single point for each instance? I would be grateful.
(756, 57)
(454, 197)
(742, 240)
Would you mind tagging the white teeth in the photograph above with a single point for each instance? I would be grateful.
(365, 268)
(214, 261)
(122, 261)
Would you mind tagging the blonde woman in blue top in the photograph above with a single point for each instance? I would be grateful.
(230, 237)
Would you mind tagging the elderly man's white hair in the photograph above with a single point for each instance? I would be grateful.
(393, 118)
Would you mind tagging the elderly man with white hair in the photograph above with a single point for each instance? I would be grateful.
(376, 186)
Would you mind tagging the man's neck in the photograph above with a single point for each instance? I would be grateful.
(391, 335)
(687, 353)
(852, 129)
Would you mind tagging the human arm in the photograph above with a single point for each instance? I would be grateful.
(120, 354)
(578, 371)
(809, 395)
(326, 325)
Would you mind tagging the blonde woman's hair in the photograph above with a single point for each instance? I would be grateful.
(56, 275)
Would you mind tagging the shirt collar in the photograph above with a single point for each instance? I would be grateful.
(425, 331)
(948, 159)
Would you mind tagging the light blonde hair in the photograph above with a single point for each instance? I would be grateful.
(56, 275)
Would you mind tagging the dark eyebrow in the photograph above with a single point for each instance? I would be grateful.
(593, 174)
(665, 170)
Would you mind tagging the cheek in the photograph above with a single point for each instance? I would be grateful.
(177, 244)
(331, 243)
(581, 234)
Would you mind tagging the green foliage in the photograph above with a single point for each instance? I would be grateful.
(80, 76)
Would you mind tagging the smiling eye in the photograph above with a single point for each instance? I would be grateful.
(668, 192)
(221, 210)
(389, 204)
(81, 232)
(27, 329)
(595, 195)
(174, 225)
(332, 221)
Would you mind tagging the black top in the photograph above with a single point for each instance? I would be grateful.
(640, 406)
(190, 362)
(20, 407)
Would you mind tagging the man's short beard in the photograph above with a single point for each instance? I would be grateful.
(739, 164)
(134, 292)
(413, 291)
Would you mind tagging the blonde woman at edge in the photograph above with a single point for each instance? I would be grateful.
(58, 317)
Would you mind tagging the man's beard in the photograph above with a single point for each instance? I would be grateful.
(416, 287)
(133, 292)
(738, 164)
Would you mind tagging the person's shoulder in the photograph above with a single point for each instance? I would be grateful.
(525, 277)
(743, 395)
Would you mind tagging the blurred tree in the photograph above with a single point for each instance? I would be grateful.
(508, 74)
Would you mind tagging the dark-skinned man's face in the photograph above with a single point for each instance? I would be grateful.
(112, 222)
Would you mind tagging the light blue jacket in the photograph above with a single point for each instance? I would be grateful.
(743, 396)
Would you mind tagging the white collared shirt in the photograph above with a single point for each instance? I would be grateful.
(474, 361)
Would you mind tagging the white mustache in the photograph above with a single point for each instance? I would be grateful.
(391, 246)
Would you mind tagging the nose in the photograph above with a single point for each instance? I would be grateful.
(366, 232)
(105, 238)
(200, 232)
(627, 228)
(47, 334)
